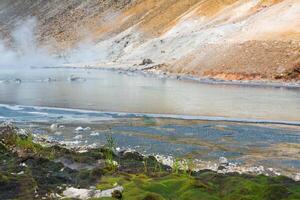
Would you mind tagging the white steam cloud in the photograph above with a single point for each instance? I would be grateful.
(84, 51)
(25, 51)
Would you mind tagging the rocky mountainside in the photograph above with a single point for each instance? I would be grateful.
(225, 39)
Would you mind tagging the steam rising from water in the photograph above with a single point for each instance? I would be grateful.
(84, 51)
(25, 50)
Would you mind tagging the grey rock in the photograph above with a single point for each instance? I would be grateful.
(73, 78)
(146, 61)
(18, 81)
(223, 161)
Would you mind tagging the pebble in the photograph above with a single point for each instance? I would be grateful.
(297, 177)
(22, 132)
(78, 137)
(223, 161)
(18, 81)
(58, 133)
(20, 173)
(92, 146)
(79, 129)
(54, 127)
(50, 79)
(87, 129)
(94, 134)
(90, 193)
(23, 165)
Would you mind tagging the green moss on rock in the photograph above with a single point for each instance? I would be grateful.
(28, 169)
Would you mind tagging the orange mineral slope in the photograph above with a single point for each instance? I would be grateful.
(247, 40)
(225, 39)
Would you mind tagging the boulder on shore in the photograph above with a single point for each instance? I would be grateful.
(146, 61)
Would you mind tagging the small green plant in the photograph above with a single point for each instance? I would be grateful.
(184, 167)
(176, 166)
(190, 166)
(109, 152)
(160, 168)
(145, 162)
(28, 144)
(156, 167)
(187, 166)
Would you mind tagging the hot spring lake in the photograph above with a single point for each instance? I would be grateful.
(150, 114)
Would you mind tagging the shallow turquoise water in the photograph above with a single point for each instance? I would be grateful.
(241, 142)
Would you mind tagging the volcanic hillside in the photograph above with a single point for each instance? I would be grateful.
(225, 39)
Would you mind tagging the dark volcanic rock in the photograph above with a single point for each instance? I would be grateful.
(146, 61)
(133, 155)
(117, 194)
(28, 170)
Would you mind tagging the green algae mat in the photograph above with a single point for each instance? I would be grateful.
(204, 186)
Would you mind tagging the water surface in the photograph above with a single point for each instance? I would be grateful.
(111, 91)
(32, 98)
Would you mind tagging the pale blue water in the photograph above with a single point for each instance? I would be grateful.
(206, 140)
(110, 91)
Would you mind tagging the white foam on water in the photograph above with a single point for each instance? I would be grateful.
(12, 107)
(37, 113)
(107, 115)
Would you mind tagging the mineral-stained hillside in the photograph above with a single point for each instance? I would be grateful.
(226, 39)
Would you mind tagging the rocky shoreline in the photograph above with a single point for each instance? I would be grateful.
(152, 70)
(33, 168)
(38, 169)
